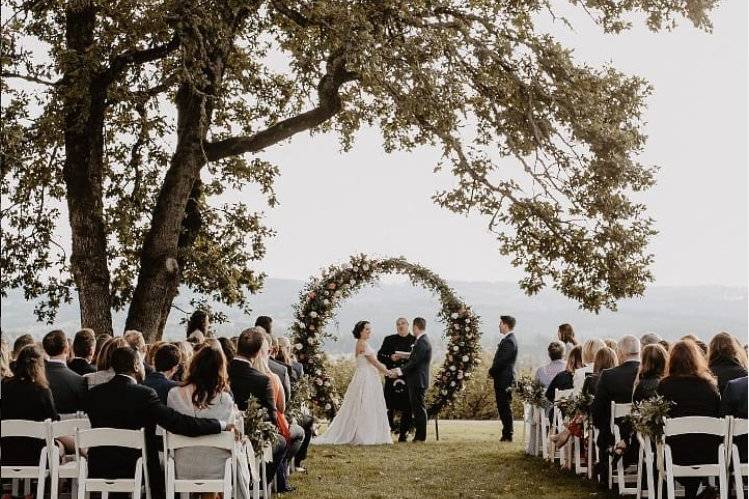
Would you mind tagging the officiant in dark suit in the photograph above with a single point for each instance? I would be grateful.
(396, 391)
(416, 372)
(503, 373)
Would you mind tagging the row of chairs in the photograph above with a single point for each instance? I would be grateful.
(629, 479)
(51, 466)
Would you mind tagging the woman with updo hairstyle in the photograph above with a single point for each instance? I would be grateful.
(199, 321)
(359, 327)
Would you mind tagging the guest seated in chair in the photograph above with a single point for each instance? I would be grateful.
(205, 394)
(166, 362)
(614, 385)
(726, 359)
(84, 346)
(26, 395)
(104, 371)
(563, 380)
(694, 392)
(123, 403)
(68, 388)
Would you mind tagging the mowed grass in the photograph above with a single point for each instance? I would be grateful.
(468, 461)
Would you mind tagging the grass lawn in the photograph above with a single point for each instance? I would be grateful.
(468, 461)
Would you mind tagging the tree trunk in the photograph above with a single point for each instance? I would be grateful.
(159, 276)
(84, 107)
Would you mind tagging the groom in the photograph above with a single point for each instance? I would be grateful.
(416, 372)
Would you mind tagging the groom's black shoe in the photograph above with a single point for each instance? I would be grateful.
(506, 438)
(403, 438)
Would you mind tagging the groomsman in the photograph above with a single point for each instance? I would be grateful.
(503, 373)
(396, 391)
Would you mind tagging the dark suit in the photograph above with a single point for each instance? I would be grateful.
(24, 400)
(68, 388)
(122, 403)
(692, 396)
(726, 370)
(160, 384)
(562, 381)
(416, 372)
(396, 395)
(614, 385)
(502, 372)
(279, 369)
(297, 371)
(81, 366)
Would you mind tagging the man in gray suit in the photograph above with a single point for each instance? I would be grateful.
(416, 372)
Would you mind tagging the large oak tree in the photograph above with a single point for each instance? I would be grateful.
(137, 117)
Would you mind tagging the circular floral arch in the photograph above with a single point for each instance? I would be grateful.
(321, 295)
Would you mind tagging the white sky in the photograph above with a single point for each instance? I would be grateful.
(335, 204)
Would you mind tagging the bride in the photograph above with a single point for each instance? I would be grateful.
(362, 418)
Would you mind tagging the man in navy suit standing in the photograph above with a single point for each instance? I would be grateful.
(503, 373)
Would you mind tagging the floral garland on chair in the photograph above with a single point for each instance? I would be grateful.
(321, 295)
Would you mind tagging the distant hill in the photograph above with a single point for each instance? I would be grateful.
(669, 311)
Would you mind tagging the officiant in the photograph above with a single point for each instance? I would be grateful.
(396, 392)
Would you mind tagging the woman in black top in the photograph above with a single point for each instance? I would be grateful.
(652, 368)
(726, 358)
(26, 395)
(605, 359)
(563, 379)
(691, 388)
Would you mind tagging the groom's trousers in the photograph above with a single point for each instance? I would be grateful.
(504, 399)
(419, 411)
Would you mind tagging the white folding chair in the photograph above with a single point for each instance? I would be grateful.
(225, 485)
(696, 425)
(265, 458)
(645, 464)
(111, 437)
(544, 426)
(58, 469)
(740, 469)
(622, 477)
(578, 444)
(565, 456)
(40, 472)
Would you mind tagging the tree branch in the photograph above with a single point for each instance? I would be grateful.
(34, 79)
(139, 56)
(329, 104)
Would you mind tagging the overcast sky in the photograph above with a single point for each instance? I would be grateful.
(335, 204)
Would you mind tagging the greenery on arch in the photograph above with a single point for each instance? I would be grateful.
(322, 295)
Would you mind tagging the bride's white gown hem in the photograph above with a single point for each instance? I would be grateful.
(362, 418)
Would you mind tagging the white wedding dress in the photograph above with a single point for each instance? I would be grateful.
(362, 418)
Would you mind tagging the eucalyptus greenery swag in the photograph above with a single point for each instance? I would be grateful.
(529, 390)
(321, 295)
(648, 416)
(257, 426)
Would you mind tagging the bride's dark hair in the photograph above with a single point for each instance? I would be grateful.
(358, 328)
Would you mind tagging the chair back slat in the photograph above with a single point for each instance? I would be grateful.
(67, 427)
(620, 410)
(24, 428)
(223, 440)
(740, 427)
(696, 424)
(114, 437)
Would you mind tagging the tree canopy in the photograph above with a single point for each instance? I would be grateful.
(145, 122)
